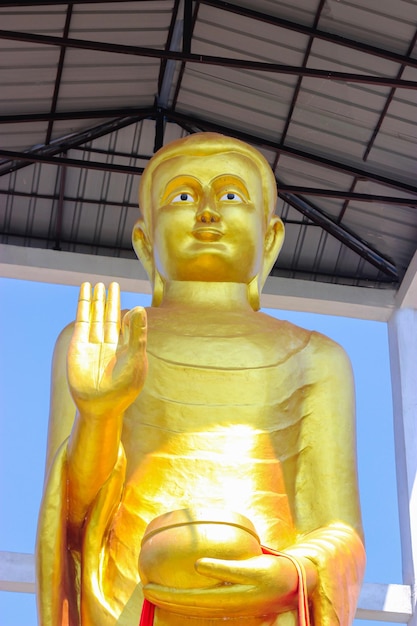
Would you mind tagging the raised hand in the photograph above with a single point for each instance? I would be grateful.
(106, 358)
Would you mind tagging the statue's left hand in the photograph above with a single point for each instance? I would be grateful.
(260, 585)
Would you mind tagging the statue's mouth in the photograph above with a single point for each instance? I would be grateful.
(207, 234)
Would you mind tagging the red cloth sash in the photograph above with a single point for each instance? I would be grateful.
(148, 609)
(147, 615)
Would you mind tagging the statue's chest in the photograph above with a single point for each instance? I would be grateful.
(208, 383)
(220, 342)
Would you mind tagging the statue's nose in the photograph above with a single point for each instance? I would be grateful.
(208, 214)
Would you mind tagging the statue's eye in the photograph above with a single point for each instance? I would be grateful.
(231, 195)
(183, 197)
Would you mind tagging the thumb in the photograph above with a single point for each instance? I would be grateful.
(135, 327)
(225, 570)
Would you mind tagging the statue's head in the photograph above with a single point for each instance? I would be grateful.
(207, 203)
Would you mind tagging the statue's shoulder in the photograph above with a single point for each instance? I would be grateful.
(313, 344)
(285, 332)
(329, 357)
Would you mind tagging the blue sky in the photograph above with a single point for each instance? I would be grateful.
(32, 315)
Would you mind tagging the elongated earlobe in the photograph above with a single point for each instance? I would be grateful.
(254, 295)
(143, 249)
(158, 288)
(274, 238)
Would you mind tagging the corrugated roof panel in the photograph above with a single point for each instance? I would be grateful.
(231, 99)
(227, 34)
(45, 20)
(106, 73)
(388, 24)
(96, 95)
(327, 55)
(310, 253)
(330, 206)
(372, 188)
(395, 153)
(27, 76)
(65, 128)
(335, 120)
(229, 105)
(129, 29)
(23, 94)
(397, 230)
(33, 178)
(21, 136)
(403, 108)
(365, 101)
(297, 172)
(296, 10)
(337, 100)
(101, 80)
(393, 221)
(327, 131)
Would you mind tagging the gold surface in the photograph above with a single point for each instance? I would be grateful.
(211, 406)
(175, 541)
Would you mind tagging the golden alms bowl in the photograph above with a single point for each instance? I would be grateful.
(174, 541)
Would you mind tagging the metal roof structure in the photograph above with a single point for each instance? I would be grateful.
(326, 89)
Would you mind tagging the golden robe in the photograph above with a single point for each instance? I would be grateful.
(270, 448)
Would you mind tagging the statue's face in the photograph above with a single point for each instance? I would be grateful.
(208, 218)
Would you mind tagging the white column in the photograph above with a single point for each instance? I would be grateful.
(403, 352)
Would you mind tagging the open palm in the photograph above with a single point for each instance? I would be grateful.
(106, 359)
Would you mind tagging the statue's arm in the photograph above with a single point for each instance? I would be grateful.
(106, 367)
(326, 503)
(61, 407)
(326, 484)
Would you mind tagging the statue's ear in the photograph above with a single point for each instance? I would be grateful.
(274, 238)
(143, 248)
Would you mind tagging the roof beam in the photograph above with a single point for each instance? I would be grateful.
(200, 124)
(312, 32)
(59, 71)
(293, 189)
(32, 157)
(389, 100)
(39, 3)
(348, 195)
(71, 115)
(66, 198)
(17, 160)
(407, 294)
(256, 15)
(204, 59)
(342, 234)
(297, 89)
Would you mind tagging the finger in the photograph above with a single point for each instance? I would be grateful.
(82, 319)
(205, 601)
(97, 313)
(112, 315)
(230, 571)
(135, 327)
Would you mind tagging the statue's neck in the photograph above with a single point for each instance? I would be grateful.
(207, 295)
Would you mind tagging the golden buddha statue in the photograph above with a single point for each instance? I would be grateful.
(211, 413)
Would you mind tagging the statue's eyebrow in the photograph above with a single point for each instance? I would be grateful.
(231, 179)
(178, 181)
